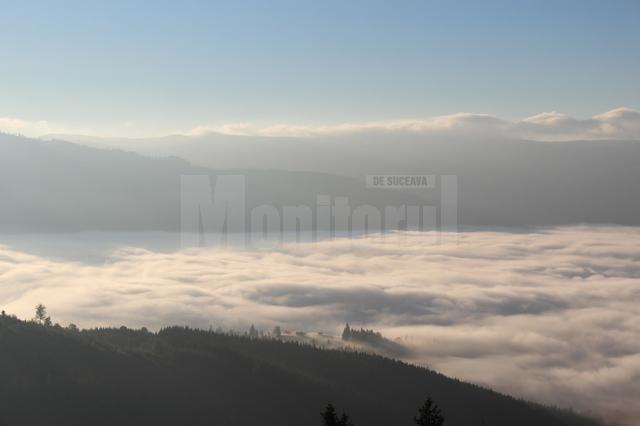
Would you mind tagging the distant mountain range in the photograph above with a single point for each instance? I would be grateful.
(56, 376)
(60, 186)
(54, 186)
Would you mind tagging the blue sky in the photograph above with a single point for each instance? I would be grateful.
(143, 67)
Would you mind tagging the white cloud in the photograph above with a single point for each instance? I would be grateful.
(550, 315)
(460, 121)
(29, 128)
(620, 123)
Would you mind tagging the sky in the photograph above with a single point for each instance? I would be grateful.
(136, 69)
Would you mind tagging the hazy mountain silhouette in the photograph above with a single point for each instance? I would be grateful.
(59, 186)
(53, 376)
(501, 182)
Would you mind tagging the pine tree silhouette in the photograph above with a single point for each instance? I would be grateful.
(41, 316)
(344, 420)
(429, 414)
(330, 418)
(346, 333)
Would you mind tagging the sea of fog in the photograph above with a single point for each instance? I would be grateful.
(549, 314)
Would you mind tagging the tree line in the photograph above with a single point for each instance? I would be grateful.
(182, 375)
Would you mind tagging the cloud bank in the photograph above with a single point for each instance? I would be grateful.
(25, 127)
(620, 123)
(551, 315)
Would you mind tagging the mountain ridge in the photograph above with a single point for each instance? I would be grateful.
(181, 375)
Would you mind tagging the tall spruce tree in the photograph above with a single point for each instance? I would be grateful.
(429, 414)
(330, 417)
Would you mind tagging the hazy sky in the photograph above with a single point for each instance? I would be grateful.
(140, 68)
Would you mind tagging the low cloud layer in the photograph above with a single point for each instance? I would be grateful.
(14, 125)
(620, 123)
(550, 315)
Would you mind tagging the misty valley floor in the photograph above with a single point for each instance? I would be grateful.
(550, 315)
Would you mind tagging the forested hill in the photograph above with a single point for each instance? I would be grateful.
(57, 376)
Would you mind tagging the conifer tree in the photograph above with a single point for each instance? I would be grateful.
(330, 417)
(41, 315)
(429, 414)
(346, 333)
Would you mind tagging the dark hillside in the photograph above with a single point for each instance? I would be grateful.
(55, 376)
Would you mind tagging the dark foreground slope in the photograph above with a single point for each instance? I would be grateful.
(53, 376)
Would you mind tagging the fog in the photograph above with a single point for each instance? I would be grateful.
(534, 298)
(550, 314)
